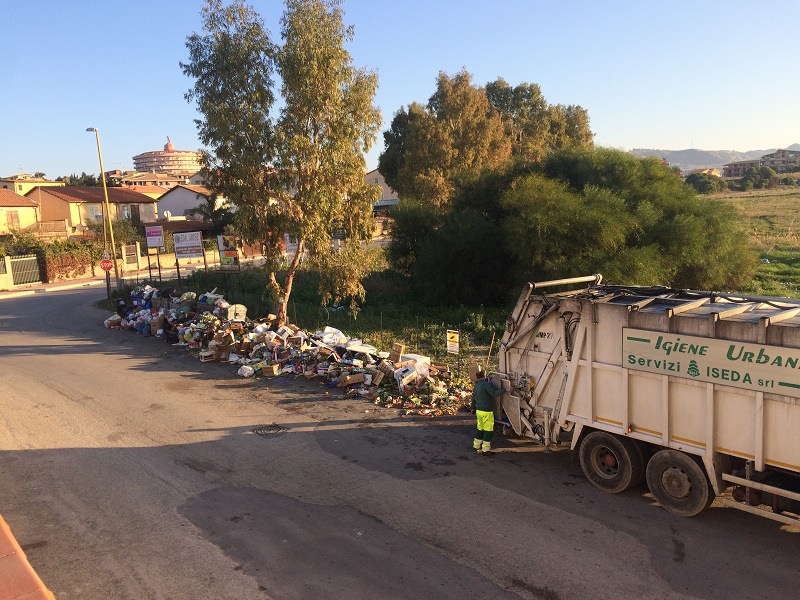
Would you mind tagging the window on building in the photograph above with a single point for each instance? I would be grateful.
(12, 219)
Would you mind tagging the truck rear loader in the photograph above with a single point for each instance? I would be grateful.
(698, 393)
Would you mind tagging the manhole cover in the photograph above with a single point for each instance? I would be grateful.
(269, 430)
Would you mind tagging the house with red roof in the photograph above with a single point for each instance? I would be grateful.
(182, 200)
(17, 213)
(81, 205)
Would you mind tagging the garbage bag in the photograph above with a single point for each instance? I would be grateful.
(246, 371)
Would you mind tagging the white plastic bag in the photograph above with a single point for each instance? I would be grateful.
(246, 371)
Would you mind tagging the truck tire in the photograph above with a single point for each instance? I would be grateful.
(611, 463)
(678, 483)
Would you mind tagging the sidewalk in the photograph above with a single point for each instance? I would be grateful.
(40, 288)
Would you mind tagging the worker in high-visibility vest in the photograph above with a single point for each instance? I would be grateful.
(483, 395)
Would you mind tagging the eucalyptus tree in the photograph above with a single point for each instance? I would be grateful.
(302, 173)
(326, 125)
(233, 65)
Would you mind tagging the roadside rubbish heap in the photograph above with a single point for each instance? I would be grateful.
(217, 331)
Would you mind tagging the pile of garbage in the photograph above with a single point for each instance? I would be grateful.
(217, 331)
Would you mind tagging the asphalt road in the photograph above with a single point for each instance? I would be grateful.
(131, 470)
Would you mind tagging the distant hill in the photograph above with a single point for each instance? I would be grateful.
(687, 160)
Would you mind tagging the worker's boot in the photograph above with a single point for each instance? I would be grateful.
(476, 444)
(486, 448)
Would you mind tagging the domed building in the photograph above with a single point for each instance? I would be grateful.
(168, 160)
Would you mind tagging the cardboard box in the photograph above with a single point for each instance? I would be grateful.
(355, 362)
(222, 352)
(406, 377)
(348, 380)
(327, 353)
(271, 369)
(386, 367)
(156, 324)
(378, 377)
(234, 312)
(224, 337)
(473, 372)
(397, 352)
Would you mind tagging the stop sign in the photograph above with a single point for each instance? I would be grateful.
(106, 264)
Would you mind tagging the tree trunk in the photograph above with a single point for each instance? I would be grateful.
(282, 309)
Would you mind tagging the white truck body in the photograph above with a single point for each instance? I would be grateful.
(697, 392)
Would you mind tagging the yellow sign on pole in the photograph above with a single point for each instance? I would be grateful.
(452, 341)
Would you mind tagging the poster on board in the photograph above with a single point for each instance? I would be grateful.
(188, 245)
(228, 251)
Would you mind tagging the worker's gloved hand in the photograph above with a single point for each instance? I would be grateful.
(473, 411)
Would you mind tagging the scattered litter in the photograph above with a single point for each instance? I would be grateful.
(217, 330)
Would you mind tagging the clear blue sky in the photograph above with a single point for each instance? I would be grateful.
(651, 74)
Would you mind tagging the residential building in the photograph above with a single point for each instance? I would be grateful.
(81, 205)
(388, 195)
(17, 213)
(374, 177)
(168, 160)
(197, 179)
(382, 223)
(740, 167)
(151, 191)
(138, 180)
(182, 199)
(782, 161)
(23, 183)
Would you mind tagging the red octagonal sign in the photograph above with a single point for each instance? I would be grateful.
(106, 264)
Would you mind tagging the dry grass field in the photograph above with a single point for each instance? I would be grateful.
(773, 223)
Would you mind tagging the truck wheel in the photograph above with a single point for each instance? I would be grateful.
(611, 463)
(678, 483)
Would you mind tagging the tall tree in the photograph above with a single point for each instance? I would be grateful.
(670, 236)
(524, 112)
(232, 65)
(327, 124)
(304, 174)
(431, 152)
(536, 127)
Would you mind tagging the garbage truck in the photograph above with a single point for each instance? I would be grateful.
(697, 393)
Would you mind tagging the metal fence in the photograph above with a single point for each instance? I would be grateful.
(25, 269)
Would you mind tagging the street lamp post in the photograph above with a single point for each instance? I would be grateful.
(107, 210)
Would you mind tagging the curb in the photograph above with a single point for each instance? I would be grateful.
(18, 580)
(55, 288)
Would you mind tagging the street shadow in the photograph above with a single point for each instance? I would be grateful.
(250, 518)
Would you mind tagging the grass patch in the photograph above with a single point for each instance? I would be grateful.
(773, 225)
(390, 314)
